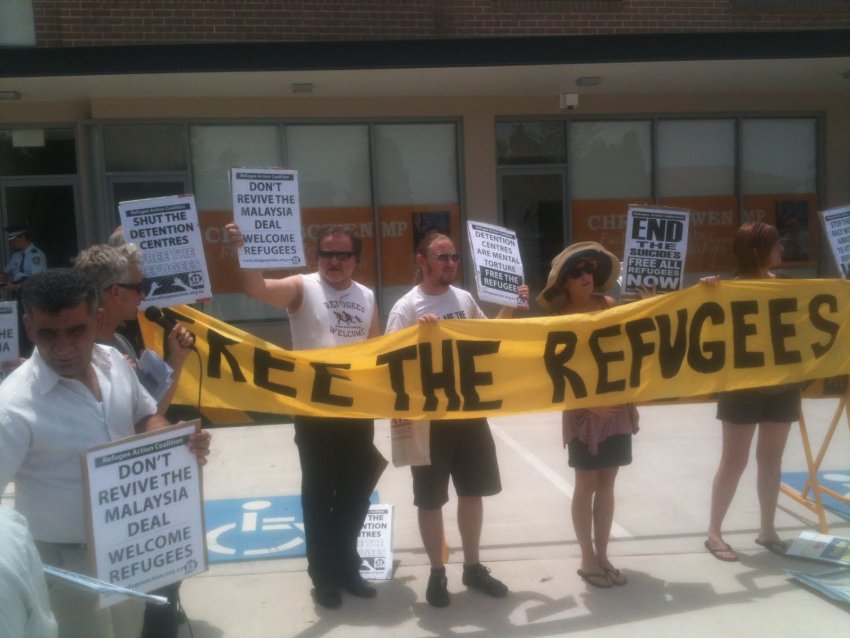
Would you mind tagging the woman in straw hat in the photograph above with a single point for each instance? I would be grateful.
(599, 440)
(771, 410)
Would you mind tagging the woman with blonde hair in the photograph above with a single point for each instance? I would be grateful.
(599, 440)
(770, 409)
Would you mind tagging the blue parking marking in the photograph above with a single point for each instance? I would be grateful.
(836, 480)
(262, 528)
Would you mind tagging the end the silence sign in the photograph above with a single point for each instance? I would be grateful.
(145, 510)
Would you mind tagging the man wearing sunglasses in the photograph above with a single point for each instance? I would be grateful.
(339, 462)
(462, 449)
(117, 276)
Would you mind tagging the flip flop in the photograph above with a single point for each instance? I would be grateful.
(615, 576)
(595, 579)
(777, 547)
(715, 551)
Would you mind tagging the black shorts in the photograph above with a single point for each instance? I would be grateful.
(463, 449)
(756, 406)
(615, 451)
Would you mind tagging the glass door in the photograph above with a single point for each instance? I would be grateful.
(49, 211)
(533, 205)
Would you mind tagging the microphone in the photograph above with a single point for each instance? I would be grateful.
(154, 314)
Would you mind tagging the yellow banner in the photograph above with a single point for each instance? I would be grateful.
(694, 342)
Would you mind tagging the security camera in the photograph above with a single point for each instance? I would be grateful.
(569, 101)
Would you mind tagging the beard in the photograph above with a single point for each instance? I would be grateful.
(441, 277)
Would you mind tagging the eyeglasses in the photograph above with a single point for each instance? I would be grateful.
(445, 257)
(577, 271)
(139, 287)
(336, 254)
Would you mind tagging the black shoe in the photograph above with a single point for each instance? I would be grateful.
(327, 596)
(356, 585)
(478, 577)
(437, 593)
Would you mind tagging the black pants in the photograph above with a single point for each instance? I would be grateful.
(339, 466)
(163, 621)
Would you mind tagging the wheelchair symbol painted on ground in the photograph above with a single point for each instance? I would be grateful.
(254, 529)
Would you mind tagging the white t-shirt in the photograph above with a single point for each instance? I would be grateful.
(24, 603)
(328, 317)
(46, 421)
(452, 304)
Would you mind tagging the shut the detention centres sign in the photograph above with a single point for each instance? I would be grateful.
(145, 508)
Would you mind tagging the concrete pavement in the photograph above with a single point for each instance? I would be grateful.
(675, 587)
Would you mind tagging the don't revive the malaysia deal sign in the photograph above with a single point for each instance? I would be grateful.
(145, 510)
(267, 209)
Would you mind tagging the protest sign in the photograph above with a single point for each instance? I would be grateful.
(375, 543)
(836, 223)
(698, 341)
(167, 232)
(145, 510)
(821, 547)
(8, 331)
(267, 210)
(656, 248)
(498, 266)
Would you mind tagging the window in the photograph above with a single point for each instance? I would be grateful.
(17, 25)
(609, 168)
(702, 182)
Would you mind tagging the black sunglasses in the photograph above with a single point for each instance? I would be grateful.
(446, 256)
(139, 287)
(336, 254)
(577, 271)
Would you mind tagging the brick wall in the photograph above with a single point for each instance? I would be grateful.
(103, 22)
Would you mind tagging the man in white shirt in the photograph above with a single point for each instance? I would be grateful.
(339, 462)
(69, 397)
(460, 448)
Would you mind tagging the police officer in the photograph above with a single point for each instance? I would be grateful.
(26, 261)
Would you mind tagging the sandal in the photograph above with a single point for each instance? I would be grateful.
(595, 579)
(615, 576)
(777, 547)
(718, 552)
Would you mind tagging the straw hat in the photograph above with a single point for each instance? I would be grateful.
(607, 271)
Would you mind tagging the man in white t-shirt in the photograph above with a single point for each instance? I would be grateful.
(462, 449)
(339, 462)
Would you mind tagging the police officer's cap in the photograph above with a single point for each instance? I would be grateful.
(15, 230)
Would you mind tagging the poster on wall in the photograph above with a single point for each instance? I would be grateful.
(836, 223)
(145, 510)
(497, 263)
(792, 223)
(167, 232)
(656, 249)
(267, 209)
(8, 331)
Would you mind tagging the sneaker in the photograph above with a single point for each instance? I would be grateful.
(478, 577)
(327, 596)
(437, 593)
(356, 585)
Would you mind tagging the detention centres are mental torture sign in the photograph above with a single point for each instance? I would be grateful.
(498, 266)
(145, 510)
(267, 209)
